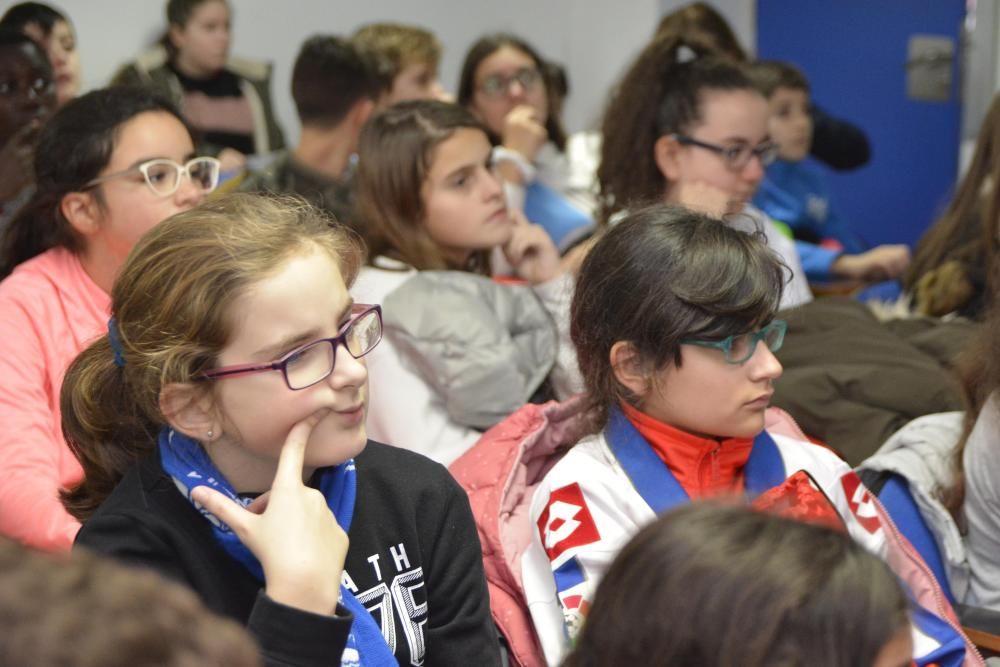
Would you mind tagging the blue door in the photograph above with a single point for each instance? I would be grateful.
(855, 53)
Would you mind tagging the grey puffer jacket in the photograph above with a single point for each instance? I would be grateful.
(487, 357)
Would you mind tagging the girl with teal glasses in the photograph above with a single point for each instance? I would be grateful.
(673, 320)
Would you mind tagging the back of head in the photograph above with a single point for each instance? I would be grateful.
(725, 586)
(74, 146)
(660, 94)
(770, 75)
(396, 45)
(88, 612)
(661, 274)
(330, 77)
(395, 153)
(171, 310)
(702, 20)
(486, 46)
(25, 14)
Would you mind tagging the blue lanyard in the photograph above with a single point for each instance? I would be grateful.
(657, 485)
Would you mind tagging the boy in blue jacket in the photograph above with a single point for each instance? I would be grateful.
(795, 191)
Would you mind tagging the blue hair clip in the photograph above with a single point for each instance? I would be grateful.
(116, 343)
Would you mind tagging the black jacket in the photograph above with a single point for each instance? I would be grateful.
(838, 143)
(414, 561)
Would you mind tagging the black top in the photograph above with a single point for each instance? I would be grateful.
(414, 561)
(838, 143)
(222, 85)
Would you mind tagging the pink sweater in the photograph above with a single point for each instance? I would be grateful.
(50, 310)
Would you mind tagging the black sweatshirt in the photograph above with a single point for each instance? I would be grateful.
(414, 561)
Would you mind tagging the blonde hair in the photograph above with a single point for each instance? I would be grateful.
(396, 45)
(170, 307)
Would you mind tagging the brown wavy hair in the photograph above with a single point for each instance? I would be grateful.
(969, 228)
(170, 304)
(702, 19)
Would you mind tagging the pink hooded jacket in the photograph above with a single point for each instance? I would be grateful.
(50, 310)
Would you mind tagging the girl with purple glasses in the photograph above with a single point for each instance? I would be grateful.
(220, 423)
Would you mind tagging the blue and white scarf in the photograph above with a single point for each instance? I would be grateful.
(189, 466)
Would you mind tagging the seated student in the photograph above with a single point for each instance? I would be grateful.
(462, 352)
(52, 30)
(226, 99)
(794, 190)
(26, 106)
(87, 611)
(673, 323)
(408, 56)
(954, 257)
(504, 83)
(221, 427)
(110, 164)
(687, 127)
(836, 142)
(336, 89)
(741, 587)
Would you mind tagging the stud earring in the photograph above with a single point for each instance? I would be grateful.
(209, 434)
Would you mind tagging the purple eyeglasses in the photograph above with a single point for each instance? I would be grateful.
(313, 362)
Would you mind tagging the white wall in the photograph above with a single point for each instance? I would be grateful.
(595, 39)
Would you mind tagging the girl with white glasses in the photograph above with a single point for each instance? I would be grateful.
(109, 166)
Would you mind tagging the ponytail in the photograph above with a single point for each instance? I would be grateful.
(103, 423)
(659, 95)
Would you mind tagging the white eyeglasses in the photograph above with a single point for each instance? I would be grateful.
(164, 176)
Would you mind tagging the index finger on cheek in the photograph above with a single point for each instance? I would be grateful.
(293, 453)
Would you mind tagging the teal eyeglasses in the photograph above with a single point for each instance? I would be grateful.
(739, 348)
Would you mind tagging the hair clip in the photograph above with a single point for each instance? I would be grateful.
(685, 54)
(116, 343)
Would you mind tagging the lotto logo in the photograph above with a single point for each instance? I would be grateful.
(861, 503)
(566, 522)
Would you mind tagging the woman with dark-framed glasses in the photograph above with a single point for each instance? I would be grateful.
(504, 82)
(220, 421)
(686, 126)
(689, 126)
(109, 166)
